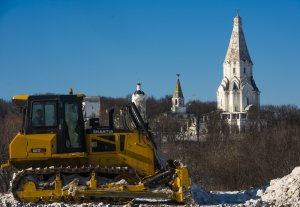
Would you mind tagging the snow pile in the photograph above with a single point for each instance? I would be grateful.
(284, 191)
(8, 200)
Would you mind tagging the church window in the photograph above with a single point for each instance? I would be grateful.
(247, 101)
(235, 87)
(244, 70)
(175, 101)
(233, 70)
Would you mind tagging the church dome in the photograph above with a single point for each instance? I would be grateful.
(139, 90)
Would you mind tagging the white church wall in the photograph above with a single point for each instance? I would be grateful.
(139, 98)
(237, 72)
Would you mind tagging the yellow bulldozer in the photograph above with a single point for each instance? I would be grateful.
(60, 155)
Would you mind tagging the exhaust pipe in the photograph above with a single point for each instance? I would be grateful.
(111, 118)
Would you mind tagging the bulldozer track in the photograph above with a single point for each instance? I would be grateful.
(27, 173)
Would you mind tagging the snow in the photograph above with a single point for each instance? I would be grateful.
(283, 191)
(223, 198)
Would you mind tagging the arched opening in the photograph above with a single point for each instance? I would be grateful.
(235, 88)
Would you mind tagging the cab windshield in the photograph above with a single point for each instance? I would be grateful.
(44, 114)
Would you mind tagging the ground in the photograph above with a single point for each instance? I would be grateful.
(283, 191)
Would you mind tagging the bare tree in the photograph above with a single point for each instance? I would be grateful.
(10, 124)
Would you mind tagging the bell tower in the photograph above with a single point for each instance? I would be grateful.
(178, 99)
(139, 98)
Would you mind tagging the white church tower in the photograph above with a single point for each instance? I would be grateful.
(238, 91)
(139, 98)
(178, 99)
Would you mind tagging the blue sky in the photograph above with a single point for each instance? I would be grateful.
(106, 47)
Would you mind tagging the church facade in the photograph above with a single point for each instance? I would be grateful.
(237, 93)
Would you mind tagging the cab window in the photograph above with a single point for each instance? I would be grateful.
(44, 114)
(72, 122)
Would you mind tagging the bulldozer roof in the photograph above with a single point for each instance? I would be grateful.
(20, 100)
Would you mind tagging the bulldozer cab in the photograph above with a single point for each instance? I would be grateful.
(55, 114)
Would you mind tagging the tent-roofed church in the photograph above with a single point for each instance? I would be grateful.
(238, 92)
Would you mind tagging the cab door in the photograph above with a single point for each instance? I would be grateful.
(71, 127)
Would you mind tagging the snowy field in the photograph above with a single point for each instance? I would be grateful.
(281, 192)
